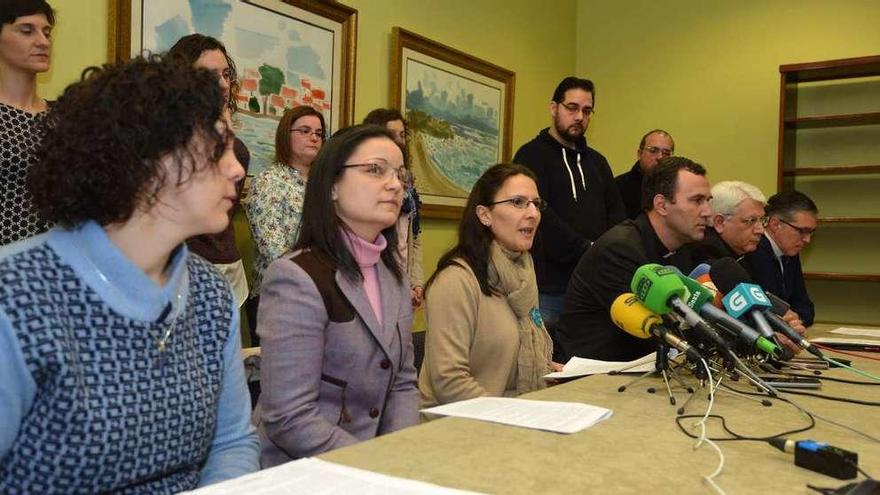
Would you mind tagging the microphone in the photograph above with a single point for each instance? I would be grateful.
(701, 275)
(730, 273)
(741, 296)
(660, 289)
(631, 316)
(699, 301)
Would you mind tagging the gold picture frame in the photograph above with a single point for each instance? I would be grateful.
(459, 110)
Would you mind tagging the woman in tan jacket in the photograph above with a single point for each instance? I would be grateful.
(485, 333)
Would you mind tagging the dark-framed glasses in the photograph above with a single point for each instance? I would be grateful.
(574, 108)
(306, 131)
(384, 172)
(803, 231)
(654, 150)
(523, 202)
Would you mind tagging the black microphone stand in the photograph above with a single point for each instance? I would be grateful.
(662, 368)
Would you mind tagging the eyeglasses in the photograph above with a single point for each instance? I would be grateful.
(384, 172)
(803, 231)
(575, 108)
(522, 202)
(305, 131)
(655, 150)
(752, 221)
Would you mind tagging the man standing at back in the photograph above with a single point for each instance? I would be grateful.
(578, 185)
(656, 144)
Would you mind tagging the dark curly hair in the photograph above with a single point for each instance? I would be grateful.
(100, 157)
(188, 50)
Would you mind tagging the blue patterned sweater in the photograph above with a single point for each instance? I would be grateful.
(88, 401)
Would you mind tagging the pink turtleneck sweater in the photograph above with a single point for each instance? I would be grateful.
(366, 254)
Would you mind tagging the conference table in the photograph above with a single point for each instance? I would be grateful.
(640, 449)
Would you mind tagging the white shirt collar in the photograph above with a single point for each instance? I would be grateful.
(776, 251)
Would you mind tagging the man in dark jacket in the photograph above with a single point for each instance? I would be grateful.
(776, 265)
(578, 186)
(656, 144)
(676, 199)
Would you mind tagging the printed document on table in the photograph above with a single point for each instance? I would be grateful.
(864, 332)
(834, 340)
(560, 417)
(580, 367)
(315, 476)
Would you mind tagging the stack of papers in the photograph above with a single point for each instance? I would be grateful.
(560, 417)
(580, 367)
(321, 477)
(864, 332)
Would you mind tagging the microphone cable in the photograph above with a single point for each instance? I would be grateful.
(710, 479)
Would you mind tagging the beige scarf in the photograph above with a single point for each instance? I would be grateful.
(513, 274)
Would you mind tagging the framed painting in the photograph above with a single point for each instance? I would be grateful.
(459, 110)
(287, 53)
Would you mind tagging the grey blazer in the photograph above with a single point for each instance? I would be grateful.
(331, 375)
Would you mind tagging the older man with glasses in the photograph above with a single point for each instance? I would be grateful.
(655, 144)
(736, 225)
(776, 263)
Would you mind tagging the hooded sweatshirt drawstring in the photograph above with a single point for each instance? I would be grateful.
(571, 175)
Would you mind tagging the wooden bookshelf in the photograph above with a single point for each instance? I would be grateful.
(849, 219)
(842, 120)
(836, 170)
(791, 122)
(842, 277)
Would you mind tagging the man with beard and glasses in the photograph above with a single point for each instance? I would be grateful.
(577, 183)
(675, 200)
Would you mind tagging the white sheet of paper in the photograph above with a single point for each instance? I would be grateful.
(581, 366)
(315, 476)
(864, 332)
(835, 340)
(560, 417)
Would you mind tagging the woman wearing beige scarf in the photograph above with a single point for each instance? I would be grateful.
(485, 333)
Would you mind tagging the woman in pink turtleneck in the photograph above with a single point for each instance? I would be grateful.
(335, 316)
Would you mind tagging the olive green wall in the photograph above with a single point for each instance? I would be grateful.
(708, 71)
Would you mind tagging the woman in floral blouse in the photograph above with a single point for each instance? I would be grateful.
(274, 202)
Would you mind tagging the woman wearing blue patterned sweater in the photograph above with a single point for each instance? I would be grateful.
(119, 350)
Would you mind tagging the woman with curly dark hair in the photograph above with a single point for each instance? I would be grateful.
(119, 351)
(25, 49)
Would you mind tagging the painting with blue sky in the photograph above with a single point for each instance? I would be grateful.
(454, 123)
(283, 59)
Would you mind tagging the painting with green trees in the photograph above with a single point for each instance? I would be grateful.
(282, 61)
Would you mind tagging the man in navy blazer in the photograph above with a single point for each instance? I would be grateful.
(775, 265)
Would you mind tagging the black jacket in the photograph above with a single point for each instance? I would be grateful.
(629, 185)
(604, 273)
(765, 271)
(583, 204)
